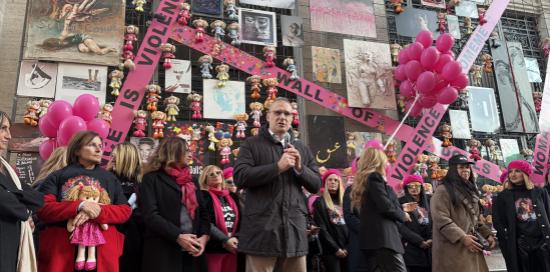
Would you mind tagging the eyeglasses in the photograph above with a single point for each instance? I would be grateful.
(414, 186)
(281, 112)
(214, 174)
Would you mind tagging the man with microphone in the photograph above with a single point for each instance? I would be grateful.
(273, 167)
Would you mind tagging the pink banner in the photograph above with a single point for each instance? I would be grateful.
(146, 61)
(312, 92)
(430, 119)
(540, 161)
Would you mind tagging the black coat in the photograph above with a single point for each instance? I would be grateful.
(504, 221)
(274, 215)
(15, 207)
(133, 231)
(217, 237)
(414, 234)
(161, 208)
(353, 222)
(330, 240)
(380, 216)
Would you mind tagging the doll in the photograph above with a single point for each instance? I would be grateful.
(428, 188)
(397, 6)
(224, 146)
(130, 37)
(241, 125)
(487, 63)
(31, 117)
(468, 25)
(494, 40)
(442, 23)
(168, 51)
(211, 137)
(255, 88)
(233, 33)
(482, 19)
(269, 54)
(537, 98)
(474, 151)
(527, 154)
(159, 120)
(88, 235)
(271, 84)
(452, 3)
(206, 66)
(196, 132)
(291, 68)
(476, 75)
(139, 5)
(231, 9)
(254, 131)
(153, 96)
(463, 96)
(201, 26)
(545, 46)
(44, 105)
(127, 60)
(195, 106)
(106, 112)
(256, 113)
(223, 75)
(295, 114)
(390, 152)
(445, 132)
(395, 48)
(116, 81)
(218, 28)
(140, 123)
(184, 14)
(423, 166)
(434, 166)
(491, 145)
(171, 108)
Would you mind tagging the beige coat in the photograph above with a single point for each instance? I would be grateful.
(449, 226)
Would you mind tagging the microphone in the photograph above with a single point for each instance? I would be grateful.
(286, 140)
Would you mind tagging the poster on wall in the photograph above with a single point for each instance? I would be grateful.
(283, 4)
(459, 124)
(37, 79)
(326, 65)
(146, 146)
(178, 79)
(434, 3)
(356, 140)
(533, 71)
(412, 21)
(483, 109)
(467, 9)
(292, 28)
(330, 150)
(25, 138)
(28, 166)
(208, 7)
(258, 27)
(76, 79)
(351, 17)
(453, 26)
(369, 75)
(85, 31)
(225, 102)
(510, 150)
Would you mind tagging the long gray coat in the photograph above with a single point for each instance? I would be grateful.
(450, 224)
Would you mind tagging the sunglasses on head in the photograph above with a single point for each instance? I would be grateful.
(214, 174)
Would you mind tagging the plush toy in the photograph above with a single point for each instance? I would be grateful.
(140, 123)
(545, 46)
(468, 25)
(231, 9)
(116, 81)
(171, 108)
(159, 120)
(291, 68)
(223, 75)
(218, 28)
(269, 54)
(31, 117)
(195, 106)
(491, 145)
(445, 132)
(481, 12)
(295, 114)
(168, 51)
(130, 37)
(494, 40)
(138, 4)
(390, 152)
(201, 26)
(434, 166)
(233, 33)
(211, 137)
(395, 48)
(44, 105)
(87, 235)
(271, 84)
(184, 15)
(256, 113)
(442, 22)
(476, 73)
(241, 125)
(397, 8)
(537, 98)
(106, 113)
(474, 149)
(153, 96)
(255, 88)
(487, 63)
(206, 66)
(224, 146)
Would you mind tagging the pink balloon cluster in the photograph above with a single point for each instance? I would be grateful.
(63, 121)
(428, 73)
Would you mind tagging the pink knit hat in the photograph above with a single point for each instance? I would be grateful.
(328, 173)
(413, 178)
(522, 166)
(376, 144)
(504, 175)
(228, 172)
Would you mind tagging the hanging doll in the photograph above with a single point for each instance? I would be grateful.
(256, 113)
(255, 88)
(231, 9)
(482, 19)
(211, 137)
(168, 51)
(224, 146)
(44, 105)
(390, 152)
(31, 117)
(537, 98)
(397, 6)
(127, 58)
(474, 149)
(140, 123)
(218, 28)
(468, 25)
(463, 96)
(184, 14)
(116, 81)
(269, 55)
(195, 132)
(434, 166)
(491, 145)
(233, 33)
(223, 75)
(451, 4)
(106, 112)
(494, 40)
(291, 68)
(159, 120)
(87, 235)
(271, 84)
(138, 4)
(206, 66)
(201, 26)
(241, 125)
(254, 131)
(295, 114)
(487, 63)
(527, 154)
(153, 96)
(171, 108)
(130, 37)
(395, 48)
(421, 167)
(545, 46)
(441, 22)
(445, 132)
(476, 73)
(195, 106)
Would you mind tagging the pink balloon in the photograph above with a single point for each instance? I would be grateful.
(429, 57)
(46, 127)
(70, 127)
(427, 101)
(58, 111)
(99, 126)
(460, 82)
(426, 83)
(425, 38)
(406, 89)
(399, 73)
(46, 148)
(416, 111)
(444, 42)
(447, 96)
(451, 71)
(415, 51)
(403, 56)
(443, 60)
(450, 53)
(440, 83)
(413, 69)
(86, 106)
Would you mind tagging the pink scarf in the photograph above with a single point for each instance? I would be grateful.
(184, 180)
(220, 221)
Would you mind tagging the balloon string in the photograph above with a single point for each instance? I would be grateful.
(402, 122)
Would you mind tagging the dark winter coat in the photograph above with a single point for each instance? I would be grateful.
(415, 233)
(330, 239)
(133, 231)
(274, 216)
(161, 207)
(15, 207)
(355, 257)
(504, 221)
(217, 237)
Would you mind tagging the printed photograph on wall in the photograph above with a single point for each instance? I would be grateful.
(352, 17)
(25, 138)
(460, 125)
(178, 79)
(83, 31)
(76, 79)
(326, 65)
(283, 4)
(369, 75)
(330, 150)
(208, 7)
(293, 31)
(412, 21)
(434, 3)
(225, 102)
(454, 26)
(533, 71)
(483, 109)
(145, 146)
(37, 79)
(510, 150)
(258, 27)
(356, 140)
(467, 9)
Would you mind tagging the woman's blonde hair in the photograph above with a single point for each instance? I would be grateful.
(372, 160)
(56, 161)
(203, 178)
(326, 193)
(529, 185)
(88, 191)
(126, 162)
(170, 152)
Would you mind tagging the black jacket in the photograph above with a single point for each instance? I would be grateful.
(15, 207)
(217, 237)
(353, 222)
(380, 216)
(161, 208)
(331, 240)
(133, 231)
(504, 221)
(274, 216)
(415, 233)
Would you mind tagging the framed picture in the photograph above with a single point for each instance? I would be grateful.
(76, 79)
(412, 21)
(178, 79)
(506, 90)
(282, 4)
(258, 27)
(293, 31)
(523, 87)
(351, 17)
(225, 102)
(510, 150)
(146, 146)
(483, 109)
(28, 166)
(434, 3)
(467, 9)
(208, 7)
(459, 124)
(454, 26)
(533, 72)
(326, 65)
(37, 79)
(329, 151)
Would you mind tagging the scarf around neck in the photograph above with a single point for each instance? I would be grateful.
(183, 178)
(220, 220)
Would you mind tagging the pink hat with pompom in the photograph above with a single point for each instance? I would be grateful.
(522, 166)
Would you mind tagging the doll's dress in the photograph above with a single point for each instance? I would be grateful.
(88, 234)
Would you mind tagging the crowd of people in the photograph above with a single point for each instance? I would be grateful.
(274, 211)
